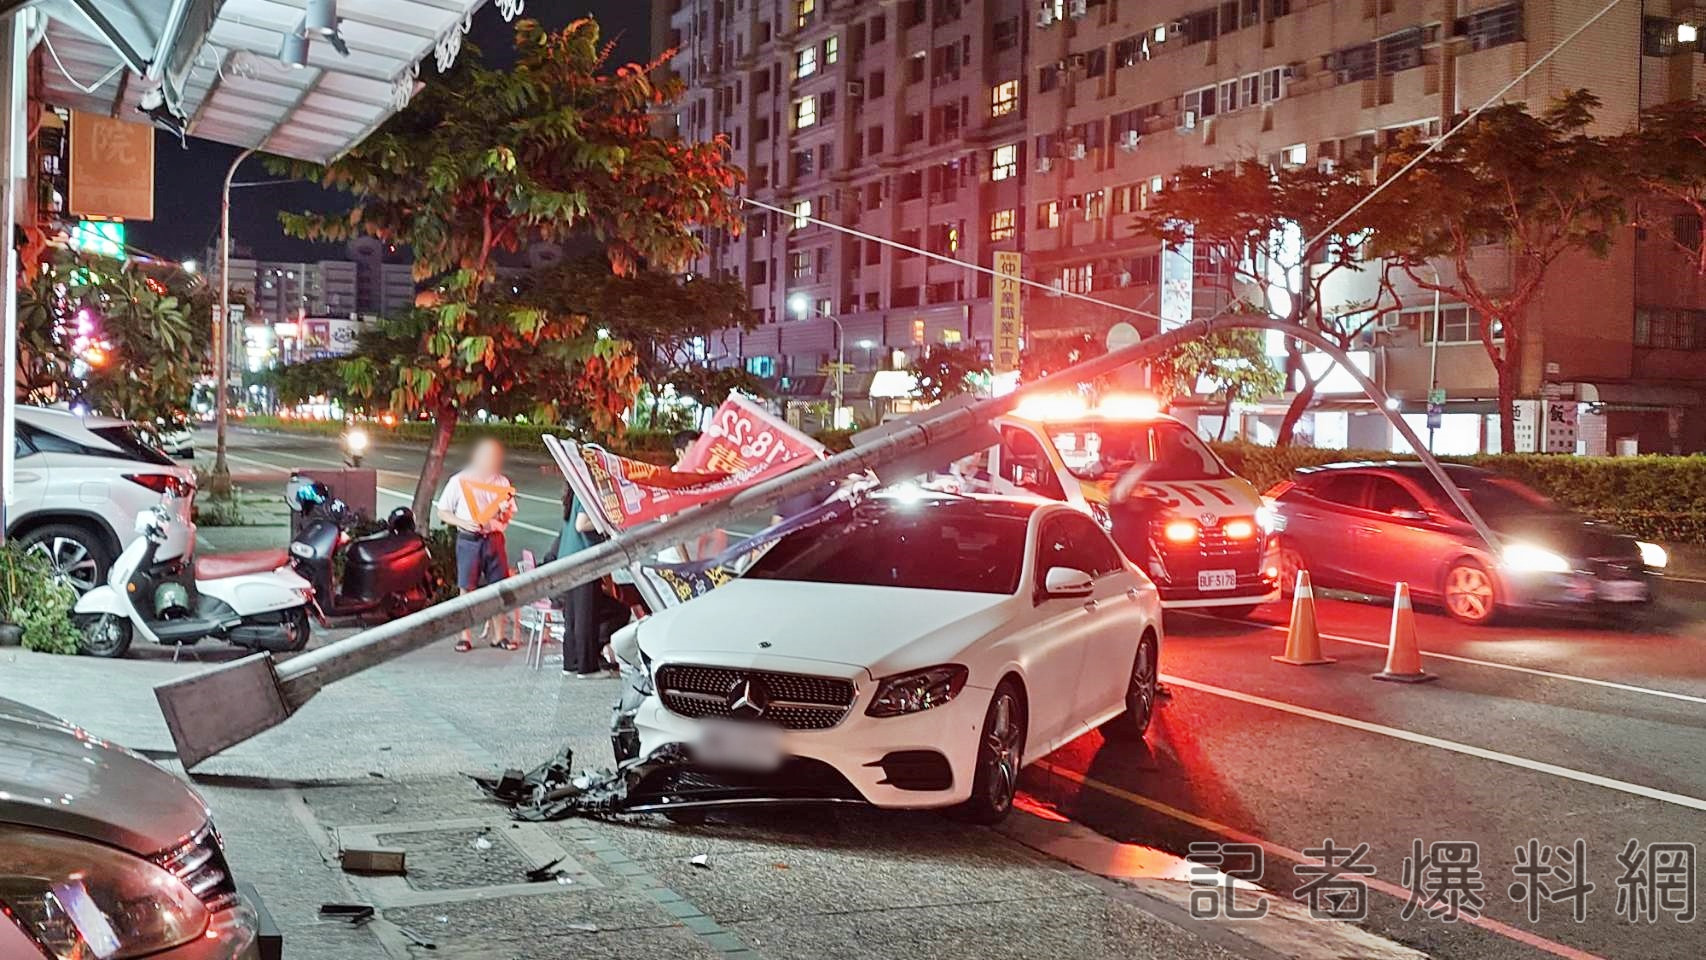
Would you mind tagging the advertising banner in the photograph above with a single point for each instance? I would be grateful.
(1009, 312)
(112, 168)
(746, 440)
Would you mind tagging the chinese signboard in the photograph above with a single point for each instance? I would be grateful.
(112, 168)
(1009, 314)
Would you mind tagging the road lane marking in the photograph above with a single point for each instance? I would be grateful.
(1387, 887)
(395, 494)
(1516, 668)
(555, 501)
(1396, 733)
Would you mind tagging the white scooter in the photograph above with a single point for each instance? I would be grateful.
(159, 590)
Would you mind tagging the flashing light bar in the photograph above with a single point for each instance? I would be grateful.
(1069, 406)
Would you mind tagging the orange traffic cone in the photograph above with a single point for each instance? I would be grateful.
(1302, 640)
(1403, 657)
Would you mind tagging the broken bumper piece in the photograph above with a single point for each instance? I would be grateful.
(664, 782)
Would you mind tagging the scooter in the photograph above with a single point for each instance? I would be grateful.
(160, 591)
(388, 573)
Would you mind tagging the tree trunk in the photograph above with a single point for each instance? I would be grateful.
(1294, 413)
(1225, 417)
(432, 471)
(1507, 366)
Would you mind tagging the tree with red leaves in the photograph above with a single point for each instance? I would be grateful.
(486, 161)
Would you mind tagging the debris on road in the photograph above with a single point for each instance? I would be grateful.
(544, 872)
(373, 860)
(350, 913)
(701, 860)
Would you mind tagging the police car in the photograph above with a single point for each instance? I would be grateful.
(1197, 529)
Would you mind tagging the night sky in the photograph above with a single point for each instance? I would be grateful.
(186, 180)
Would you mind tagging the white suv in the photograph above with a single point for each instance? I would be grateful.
(78, 485)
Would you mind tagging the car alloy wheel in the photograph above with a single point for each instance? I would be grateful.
(1290, 565)
(71, 560)
(1000, 754)
(1469, 592)
(1140, 694)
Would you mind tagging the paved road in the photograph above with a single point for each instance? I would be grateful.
(1534, 730)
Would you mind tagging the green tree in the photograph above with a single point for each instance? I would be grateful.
(1666, 154)
(1261, 237)
(948, 372)
(1232, 362)
(1536, 185)
(485, 160)
(121, 337)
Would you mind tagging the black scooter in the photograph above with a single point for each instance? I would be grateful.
(384, 575)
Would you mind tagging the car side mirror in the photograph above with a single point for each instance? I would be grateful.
(1067, 582)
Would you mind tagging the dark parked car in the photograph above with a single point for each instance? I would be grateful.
(1365, 526)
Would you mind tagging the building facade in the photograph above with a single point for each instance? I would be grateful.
(964, 127)
(278, 291)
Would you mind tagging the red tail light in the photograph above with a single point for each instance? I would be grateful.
(163, 483)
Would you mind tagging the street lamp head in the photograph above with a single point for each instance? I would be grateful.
(190, 266)
(799, 303)
(866, 344)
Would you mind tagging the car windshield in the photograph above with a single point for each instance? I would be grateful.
(1156, 449)
(927, 545)
(130, 441)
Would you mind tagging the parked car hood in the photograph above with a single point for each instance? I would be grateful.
(1568, 534)
(793, 625)
(57, 777)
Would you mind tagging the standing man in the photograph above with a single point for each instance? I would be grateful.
(591, 613)
(482, 557)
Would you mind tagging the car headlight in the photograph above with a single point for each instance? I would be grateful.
(918, 690)
(1528, 558)
(1267, 519)
(83, 900)
(1652, 555)
(356, 441)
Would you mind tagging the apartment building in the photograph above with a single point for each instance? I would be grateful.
(282, 291)
(1041, 126)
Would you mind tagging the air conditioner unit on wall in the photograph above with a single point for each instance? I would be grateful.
(1187, 121)
(1045, 14)
(1129, 140)
(1077, 9)
(1044, 164)
(1077, 151)
(855, 88)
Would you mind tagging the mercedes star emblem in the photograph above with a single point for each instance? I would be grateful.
(748, 700)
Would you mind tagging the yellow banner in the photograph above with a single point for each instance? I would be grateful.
(1009, 314)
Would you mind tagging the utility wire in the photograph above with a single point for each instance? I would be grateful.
(1096, 301)
(47, 42)
(1469, 118)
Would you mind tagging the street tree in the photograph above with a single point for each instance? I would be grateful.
(948, 371)
(487, 160)
(122, 337)
(1232, 363)
(1536, 185)
(1260, 242)
(1666, 155)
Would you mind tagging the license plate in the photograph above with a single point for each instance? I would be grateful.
(1622, 591)
(739, 746)
(1217, 579)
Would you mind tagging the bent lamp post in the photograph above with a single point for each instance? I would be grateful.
(219, 708)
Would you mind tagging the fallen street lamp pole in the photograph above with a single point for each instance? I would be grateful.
(221, 707)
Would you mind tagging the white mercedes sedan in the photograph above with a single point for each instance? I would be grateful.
(905, 651)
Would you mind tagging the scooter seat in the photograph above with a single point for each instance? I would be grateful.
(218, 566)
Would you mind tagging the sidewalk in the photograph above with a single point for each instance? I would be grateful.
(378, 757)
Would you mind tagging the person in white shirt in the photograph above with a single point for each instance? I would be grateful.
(482, 557)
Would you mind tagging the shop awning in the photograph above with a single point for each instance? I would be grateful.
(216, 64)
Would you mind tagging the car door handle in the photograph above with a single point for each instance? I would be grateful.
(1132, 594)
(1090, 606)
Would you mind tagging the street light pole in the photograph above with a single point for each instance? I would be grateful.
(1433, 359)
(840, 365)
(221, 323)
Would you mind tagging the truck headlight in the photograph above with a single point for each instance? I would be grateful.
(79, 899)
(1652, 555)
(918, 690)
(1528, 558)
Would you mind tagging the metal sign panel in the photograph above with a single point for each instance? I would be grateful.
(112, 168)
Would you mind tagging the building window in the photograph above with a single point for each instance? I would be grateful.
(1401, 51)
(800, 265)
(1078, 279)
(1007, 33)
(1670, 328)
(1201, 101)
(1354, 63)
(804, 11)
(875, 85)
(911, 185)
(912, 13)
(1004, 98)
(801, 164)
(831, 50)
(1685, 230)
(1228, 96)
(945, 237)
(1096, 63)
(874, 141)
(1004, 162)
(915, 67)
(1048, 78)
(876, 29)
(805, 112)
(1496, 27)
(1048, 215)
(802, 211)
(914, 127)
(1457, 324)
(1095, 204)
(805, 62)
(1003, 224)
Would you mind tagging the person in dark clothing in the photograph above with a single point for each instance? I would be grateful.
(592, 614)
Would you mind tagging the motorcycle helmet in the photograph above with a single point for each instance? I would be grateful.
(171, 601)
(401, 520)
(301, 493)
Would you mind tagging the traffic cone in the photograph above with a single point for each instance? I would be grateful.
(1303, 640)
(1403, 657)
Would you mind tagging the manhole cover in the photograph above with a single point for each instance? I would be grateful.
(456, 859)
